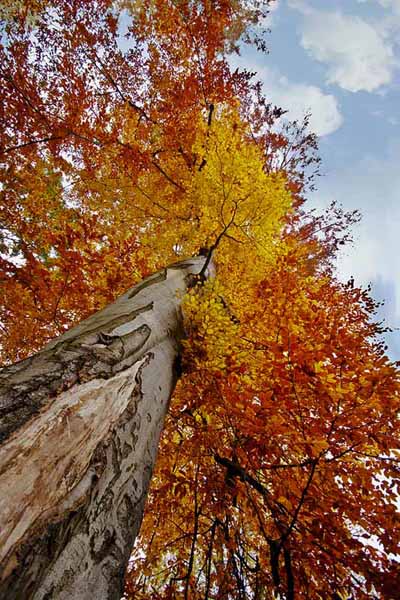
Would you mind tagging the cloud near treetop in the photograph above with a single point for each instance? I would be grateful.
(358, 55)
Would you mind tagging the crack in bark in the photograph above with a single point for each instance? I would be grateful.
(157, 278)
(80, 360)
(88, 523)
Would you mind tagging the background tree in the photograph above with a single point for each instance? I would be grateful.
(278, 460)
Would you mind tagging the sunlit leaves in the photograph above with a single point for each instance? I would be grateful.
(280, 455)
(231, 189)
(290, 448)
(211, 331)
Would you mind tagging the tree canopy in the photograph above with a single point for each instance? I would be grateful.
(129, 142)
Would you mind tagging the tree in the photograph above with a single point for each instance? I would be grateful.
(87, 412)
(278, 461)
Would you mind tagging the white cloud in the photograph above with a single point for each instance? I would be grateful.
(298, 99)
(393, 4)
(371, 185)
(301, 98)
(359, 55)
(274, 6)
(270, 20)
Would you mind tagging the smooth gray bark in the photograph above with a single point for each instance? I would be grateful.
(79, 424)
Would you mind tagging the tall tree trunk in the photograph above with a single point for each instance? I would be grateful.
(79, 424)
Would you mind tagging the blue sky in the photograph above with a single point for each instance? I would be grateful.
(341, 60)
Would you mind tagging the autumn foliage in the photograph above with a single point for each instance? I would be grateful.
(128, 143)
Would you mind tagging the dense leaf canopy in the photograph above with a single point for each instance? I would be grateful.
(127, 143)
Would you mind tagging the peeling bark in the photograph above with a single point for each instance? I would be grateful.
(79, 425)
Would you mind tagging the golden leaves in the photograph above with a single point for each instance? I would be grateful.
(211, 330)
(231, 190)
(283, 378)
(294, 421)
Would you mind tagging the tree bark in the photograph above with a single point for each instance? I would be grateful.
(79, 425)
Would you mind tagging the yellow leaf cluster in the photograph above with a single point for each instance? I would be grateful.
(212, 332)
(231, 189)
